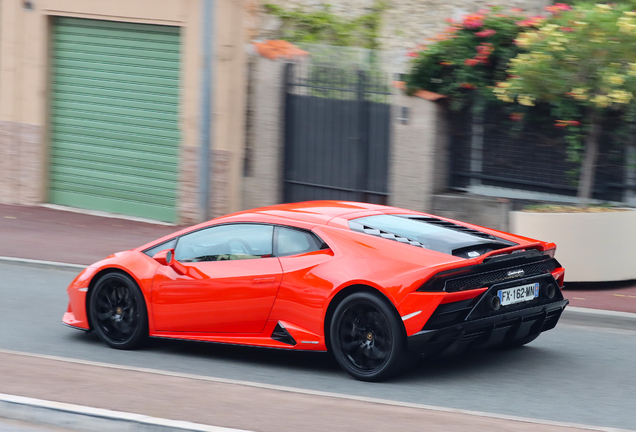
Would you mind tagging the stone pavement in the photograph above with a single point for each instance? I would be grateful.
(42, 233)
(205, 401)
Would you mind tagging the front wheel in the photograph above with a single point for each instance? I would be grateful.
(118, 311)
(367, 337)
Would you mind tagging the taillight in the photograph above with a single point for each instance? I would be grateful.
(559, 275)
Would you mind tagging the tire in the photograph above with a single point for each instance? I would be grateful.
(368, 338)
(118, 311)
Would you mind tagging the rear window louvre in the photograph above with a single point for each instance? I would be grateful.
(452, 226)
(355, 226)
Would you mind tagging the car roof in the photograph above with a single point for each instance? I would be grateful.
(319, 212)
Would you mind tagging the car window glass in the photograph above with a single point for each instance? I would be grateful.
(294, 242)
(226, 242)
(163, 246)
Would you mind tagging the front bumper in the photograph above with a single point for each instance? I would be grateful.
(482, 327)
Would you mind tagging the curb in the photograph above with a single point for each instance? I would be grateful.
(105, 214)
(41, 264)
(599, 317)
(82, 418)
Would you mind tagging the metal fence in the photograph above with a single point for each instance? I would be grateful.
(337, 133)
(490, 152)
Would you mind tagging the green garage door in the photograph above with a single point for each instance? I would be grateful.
(114, 117)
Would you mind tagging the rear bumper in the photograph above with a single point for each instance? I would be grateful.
(500, 329)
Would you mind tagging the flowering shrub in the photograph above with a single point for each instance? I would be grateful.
(470, 56)
(582, 62)
(584, 57)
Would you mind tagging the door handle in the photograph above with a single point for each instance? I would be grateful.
(264, 280)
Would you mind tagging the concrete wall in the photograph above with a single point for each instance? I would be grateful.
(593, 247)
(405, 23)
(263, 183)
(24, 81)
(419, 153)
(484, 211)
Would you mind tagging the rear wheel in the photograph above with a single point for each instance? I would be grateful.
(367, 337)
(118, 311)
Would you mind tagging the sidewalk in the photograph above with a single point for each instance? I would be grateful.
(41, 233)
(233, 405)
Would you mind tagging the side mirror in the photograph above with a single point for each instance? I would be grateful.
(165, 257)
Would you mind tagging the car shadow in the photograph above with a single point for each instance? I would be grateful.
(272, 357)
(470, 363)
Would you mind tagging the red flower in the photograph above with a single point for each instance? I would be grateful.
(516, 116)
(531, 22)
(482, 58)
(468, 86)
(567, 29)
(471, 62)
(485, 33)
(445, 63)
(412, 54)
(473, 21)
(516, 10)
(563, 6)
(484, 48)
(564, 123)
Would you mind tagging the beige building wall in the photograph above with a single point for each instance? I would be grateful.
(25, 75)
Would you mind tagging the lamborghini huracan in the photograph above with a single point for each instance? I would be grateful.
(372, 284)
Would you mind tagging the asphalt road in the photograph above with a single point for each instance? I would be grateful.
(574, 374)
(7, 425)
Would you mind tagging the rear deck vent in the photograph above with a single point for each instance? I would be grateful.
(453, 226)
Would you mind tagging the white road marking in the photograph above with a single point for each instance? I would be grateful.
(12, 260)
(44, 411)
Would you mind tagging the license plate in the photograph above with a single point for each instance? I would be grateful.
(518, 294)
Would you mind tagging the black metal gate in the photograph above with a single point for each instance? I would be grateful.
(487, 151)
(337, 134)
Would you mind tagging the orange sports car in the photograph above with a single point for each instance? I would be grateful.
(374, 285)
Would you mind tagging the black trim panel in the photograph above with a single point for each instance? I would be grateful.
(500, 329)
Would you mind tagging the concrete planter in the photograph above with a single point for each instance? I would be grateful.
(593, 247)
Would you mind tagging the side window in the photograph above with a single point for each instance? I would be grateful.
(295, 242)
(163, 246)
(226, 242)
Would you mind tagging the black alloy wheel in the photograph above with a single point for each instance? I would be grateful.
(118, 311)
(368, 337)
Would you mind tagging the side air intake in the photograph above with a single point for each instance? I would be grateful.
(281, 334)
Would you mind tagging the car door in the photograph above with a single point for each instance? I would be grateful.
(230, 283)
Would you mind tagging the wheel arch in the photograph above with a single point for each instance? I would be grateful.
(346, 292)
(94, 280)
